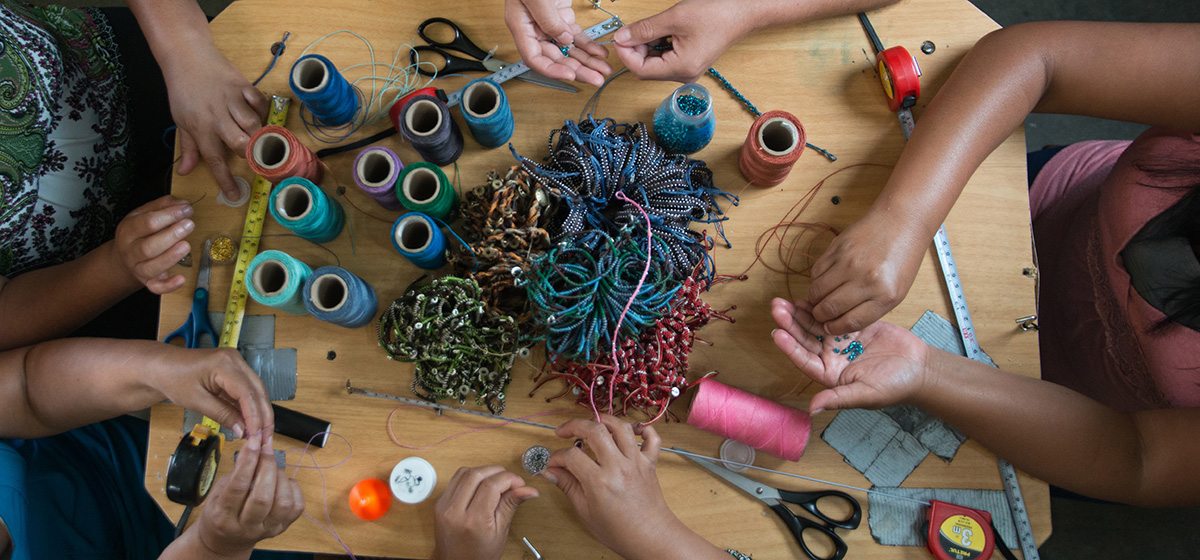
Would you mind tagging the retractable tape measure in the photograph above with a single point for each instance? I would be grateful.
(901, 79)
(959, 533)
(193, 465)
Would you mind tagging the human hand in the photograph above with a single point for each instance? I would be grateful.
(218, 383)
(539, 27)
(892, 367)
(151, 239)
(699, 30)
(256, 501)
(215, 108)
(864, 273)
(474, 513)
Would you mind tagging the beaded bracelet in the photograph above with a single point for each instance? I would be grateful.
(738, 555)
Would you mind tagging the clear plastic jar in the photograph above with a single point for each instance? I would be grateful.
(684, 122)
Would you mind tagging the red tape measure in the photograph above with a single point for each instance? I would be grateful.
(900, 76)
(959, 533)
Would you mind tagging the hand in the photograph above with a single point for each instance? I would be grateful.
(539, 27)
(700, 31)
(215, 108)
(864, 273)
(218, 383)
(256, 501)
(892, 368)
(475, 511)
(616, 493)
(151, 239)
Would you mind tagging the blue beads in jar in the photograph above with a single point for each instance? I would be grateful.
(684, 122)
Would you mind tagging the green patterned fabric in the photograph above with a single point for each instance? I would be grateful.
(64, 135)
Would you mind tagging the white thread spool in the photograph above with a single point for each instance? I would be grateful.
(413, 234)
(778, 137)
(328, 292)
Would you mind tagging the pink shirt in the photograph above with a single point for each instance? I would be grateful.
(1087, 203)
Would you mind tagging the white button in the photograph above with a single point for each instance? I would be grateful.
(412, 480)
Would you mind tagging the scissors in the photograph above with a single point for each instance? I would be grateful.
(480, 61)
(197, 323)
(777, 500)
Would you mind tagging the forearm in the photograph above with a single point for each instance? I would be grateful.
(51, 302)
(189, 546)
(175, 29)
(62, 384)
(770, 13)
(683, 543)
(1065, 438)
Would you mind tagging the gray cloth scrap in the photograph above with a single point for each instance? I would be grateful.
(875, 445)
(900, 522)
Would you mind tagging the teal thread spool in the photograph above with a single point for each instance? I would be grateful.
(487, 113)
(684, 122)
(423, 187)
(275, 279)
(304, 209)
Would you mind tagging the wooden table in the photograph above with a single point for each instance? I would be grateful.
(821, 72)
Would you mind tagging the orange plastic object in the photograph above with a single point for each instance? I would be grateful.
(370, 499)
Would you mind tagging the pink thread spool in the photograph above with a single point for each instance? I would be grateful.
(760, 423)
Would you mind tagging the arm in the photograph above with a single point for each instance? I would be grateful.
(1110, 70)
(213, 105)
(697, 40)
(1144, 458)
(55, 386)
(51, 302)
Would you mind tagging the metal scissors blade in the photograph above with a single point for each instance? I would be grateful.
(205, 265)
(767, 494)
(496, 65)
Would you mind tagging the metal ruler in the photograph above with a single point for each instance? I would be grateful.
(966, 329)
(256, 211)
(516, 69)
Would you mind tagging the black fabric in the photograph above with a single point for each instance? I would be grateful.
(1163, 265)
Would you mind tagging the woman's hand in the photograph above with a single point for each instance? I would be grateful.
(540, 27)
(215, 108)
(218, 383)
(892, 368)
(864, 273)
(256, 501)
(615, 491)
(699, 31)
(474, 513)
(151, 239)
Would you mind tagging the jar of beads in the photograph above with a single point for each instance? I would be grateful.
(684, 122)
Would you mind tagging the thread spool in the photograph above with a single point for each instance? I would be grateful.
(760, 423)
(426, 123)
(775, 142)
(335, 295)
(487, 113)
(274, 153)
(323, 90)
(418, 238)
(423, 187)
(376, 170)
(305, 210)
(684, 122)
(275, 279)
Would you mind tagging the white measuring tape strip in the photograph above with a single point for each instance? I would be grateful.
(966, 329)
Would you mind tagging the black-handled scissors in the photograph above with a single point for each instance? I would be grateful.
(479, 61)
(778, 501)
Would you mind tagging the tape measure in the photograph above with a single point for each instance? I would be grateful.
(513, 70)
(193, 465)
(900, 77)
(959, 533)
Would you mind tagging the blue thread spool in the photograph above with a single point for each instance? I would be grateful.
(335, 295)
(305, 210)
(321, 88)
(275, 279)
(684, 123)
(488, 115)
(418, 238)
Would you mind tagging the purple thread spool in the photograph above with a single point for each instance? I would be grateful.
(375, 171)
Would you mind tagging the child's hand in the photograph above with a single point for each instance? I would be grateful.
(892, 367)
(256, 501)
(151, 239)
(215, 108)
(700, 31)
(539, 27)
(866, 272)
(475, 511)
(218, 383)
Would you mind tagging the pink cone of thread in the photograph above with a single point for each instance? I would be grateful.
(760, 423)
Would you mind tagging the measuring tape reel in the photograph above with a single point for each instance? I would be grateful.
(900, 76)
(959, 533)
(193, 465)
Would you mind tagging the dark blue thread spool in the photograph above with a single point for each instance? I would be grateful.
(323, 90)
